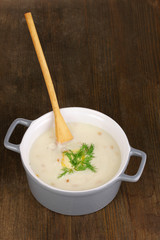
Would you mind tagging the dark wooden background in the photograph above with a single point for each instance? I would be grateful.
(104, 55)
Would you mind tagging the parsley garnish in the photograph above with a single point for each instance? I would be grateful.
(79, 160)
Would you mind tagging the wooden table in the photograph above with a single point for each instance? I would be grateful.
(104, 55)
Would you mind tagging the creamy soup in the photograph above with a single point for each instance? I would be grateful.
(53, 163)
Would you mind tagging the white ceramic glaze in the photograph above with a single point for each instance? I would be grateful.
(75, 202)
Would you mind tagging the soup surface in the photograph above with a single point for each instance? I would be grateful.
(53, 163)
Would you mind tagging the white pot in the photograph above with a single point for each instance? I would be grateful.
(75, 202)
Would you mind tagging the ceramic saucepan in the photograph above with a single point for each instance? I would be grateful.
(75, 202)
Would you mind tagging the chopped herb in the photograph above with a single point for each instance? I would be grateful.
(79, 160)
(65, 170)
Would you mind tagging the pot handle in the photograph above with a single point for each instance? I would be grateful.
(135, 178)
(7, 144)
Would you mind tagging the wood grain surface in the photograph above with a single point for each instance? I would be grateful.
(104, 55)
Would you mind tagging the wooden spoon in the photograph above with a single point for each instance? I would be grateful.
(63, 134)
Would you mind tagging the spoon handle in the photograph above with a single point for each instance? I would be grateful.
(42, 60)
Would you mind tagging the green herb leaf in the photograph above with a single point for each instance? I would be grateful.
(65, 171)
